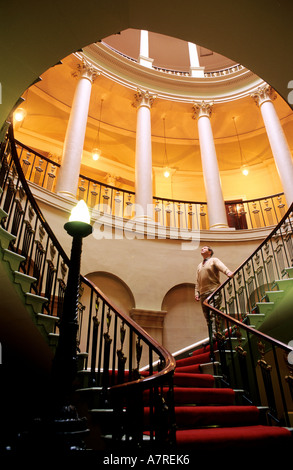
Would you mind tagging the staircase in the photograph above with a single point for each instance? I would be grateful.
(210, 419)
(192, 409)
(271, 299)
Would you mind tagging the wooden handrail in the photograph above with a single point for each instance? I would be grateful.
(227, 300)
(155, 380)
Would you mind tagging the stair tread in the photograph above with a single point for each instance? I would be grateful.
(228, 435)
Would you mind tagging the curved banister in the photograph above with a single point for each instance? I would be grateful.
(248, 328)
(167, 357)
(98, 337)
(262, 244)
(234, 305)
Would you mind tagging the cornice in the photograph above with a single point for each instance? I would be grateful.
(236, 84)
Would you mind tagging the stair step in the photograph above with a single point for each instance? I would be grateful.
(5, 238)
(210, 367)
(47, 321)
(285, 284)
(265, 307)
(35, 301)
(275, 295)
(256, 437)
(24, 280)
(232, 415)
(185, 379)
(14, 259)
(256, 319)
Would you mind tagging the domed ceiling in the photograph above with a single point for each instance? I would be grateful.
(238, 128)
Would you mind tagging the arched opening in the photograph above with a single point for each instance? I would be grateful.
(184, 323)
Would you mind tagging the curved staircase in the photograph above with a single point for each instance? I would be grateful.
(209, 416)
(211, 419)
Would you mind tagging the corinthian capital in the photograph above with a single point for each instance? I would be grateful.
(143, 98)
(86, 70)
(263, 93)
(202, 109)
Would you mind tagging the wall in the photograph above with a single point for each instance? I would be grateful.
(151, 275)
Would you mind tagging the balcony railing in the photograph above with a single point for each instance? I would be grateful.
(169, 213)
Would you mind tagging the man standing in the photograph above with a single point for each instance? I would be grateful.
(208, 277)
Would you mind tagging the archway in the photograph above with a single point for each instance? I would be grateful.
(184, 323)
(115, 289)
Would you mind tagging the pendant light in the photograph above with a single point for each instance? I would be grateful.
(165, 159)
(244, 169)
(96, 151)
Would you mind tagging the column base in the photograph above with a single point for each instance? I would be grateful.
(67, 194)
(143, 218)
(221, 227)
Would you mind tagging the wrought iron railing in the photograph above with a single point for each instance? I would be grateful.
(178, 214)
(113, 348)
(250, 359)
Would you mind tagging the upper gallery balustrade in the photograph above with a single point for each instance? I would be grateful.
(170, 213)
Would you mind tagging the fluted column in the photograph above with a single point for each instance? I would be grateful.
(68, 176)
(215, 202)
(264, 97)
(143, 155)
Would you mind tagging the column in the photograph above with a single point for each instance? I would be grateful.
(68, 176)
(143, 155)
(195, 69)
(264, 97)
(144, 58)
(215, 202)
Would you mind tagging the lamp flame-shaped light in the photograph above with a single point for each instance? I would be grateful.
(80, 213)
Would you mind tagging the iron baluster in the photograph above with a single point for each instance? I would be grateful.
(267, 380)
(37, 265)
(121, 356)
(95, 323)
(107, 350)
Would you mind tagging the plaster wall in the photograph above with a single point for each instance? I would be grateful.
(151, 275)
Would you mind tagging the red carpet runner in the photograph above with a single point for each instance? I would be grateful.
(207, 418)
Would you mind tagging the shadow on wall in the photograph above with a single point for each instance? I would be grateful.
(114, 288)
(184, 322)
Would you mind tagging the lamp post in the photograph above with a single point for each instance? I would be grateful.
(65, 361)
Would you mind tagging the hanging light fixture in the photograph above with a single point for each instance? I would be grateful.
(96, 151)
(165, 160)
(244, 169)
